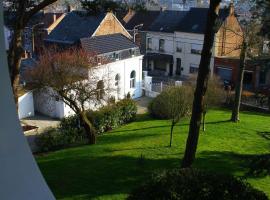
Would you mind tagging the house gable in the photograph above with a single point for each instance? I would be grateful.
(229, 37)
(111, 25)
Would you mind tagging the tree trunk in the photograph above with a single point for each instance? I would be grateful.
(203, 120)
(88, 127)
(239, 84)
(202, 81)
(171, 136)
(14, 62)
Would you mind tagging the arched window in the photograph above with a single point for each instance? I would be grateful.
(117, 79)
(132, 79)
(100, 90)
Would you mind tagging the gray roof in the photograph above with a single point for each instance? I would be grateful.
(195, 20)
(107, 43)
(192, 21)
(167, 21)
(74, 26)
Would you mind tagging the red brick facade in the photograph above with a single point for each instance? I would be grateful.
(251, 77)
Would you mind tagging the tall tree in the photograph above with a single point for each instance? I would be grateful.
(23, 11)
(72, 77)
(202, 81)
(250, 48)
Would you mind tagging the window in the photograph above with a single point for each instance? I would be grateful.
(149, 43)
(193, 69)
(132, 79)
(100, 90)
(116, 56)
(161, 44)
(196, 49)
(132, 52)
(117, 79)
(179, 47)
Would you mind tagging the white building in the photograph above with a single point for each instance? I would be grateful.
(124, 72)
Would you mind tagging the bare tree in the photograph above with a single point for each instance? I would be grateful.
(214, 96)
(23, 11)
(73, 77)
(202, 81)
(250, 48)
(173, 103)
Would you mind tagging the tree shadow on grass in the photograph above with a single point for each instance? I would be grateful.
(94, 177)
(265, 135)
(244, 165)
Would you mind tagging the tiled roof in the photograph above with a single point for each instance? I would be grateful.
(195, 20)
(143, 17)
(107, 43)
(192, 21)
(74, 26)
(168, 21)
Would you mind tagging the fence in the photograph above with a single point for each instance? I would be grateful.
(152, 89)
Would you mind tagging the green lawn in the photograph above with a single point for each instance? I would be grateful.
(111, 168)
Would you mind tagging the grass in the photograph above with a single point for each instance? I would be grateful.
(112, 167)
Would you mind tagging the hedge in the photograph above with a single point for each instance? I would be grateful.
(193, 184)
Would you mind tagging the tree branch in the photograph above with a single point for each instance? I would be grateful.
(37, 8)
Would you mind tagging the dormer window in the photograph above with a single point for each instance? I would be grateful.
(132, 52)
(116, 56)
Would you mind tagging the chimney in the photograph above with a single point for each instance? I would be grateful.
(54, 17)
(231, 8)
(69, 8)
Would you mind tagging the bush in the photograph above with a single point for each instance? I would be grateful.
(174, 102)
(66, 134)
(112, 116)
(56, 138)
(192, 184)
(69, 132)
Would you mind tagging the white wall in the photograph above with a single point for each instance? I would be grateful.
(46, 104)
(26, 105)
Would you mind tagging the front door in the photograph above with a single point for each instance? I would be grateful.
(178, 66)
(171, 69)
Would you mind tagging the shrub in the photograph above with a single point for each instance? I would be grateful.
(65, 135)
(112, 116)
(128, 110)
(192, 184)
(174, 102)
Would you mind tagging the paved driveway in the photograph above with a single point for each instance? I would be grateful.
(142, 104)
(40, 121)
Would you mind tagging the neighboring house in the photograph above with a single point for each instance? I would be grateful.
(174, 40)
(124, 70)
(7, 34)
(79, 24)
